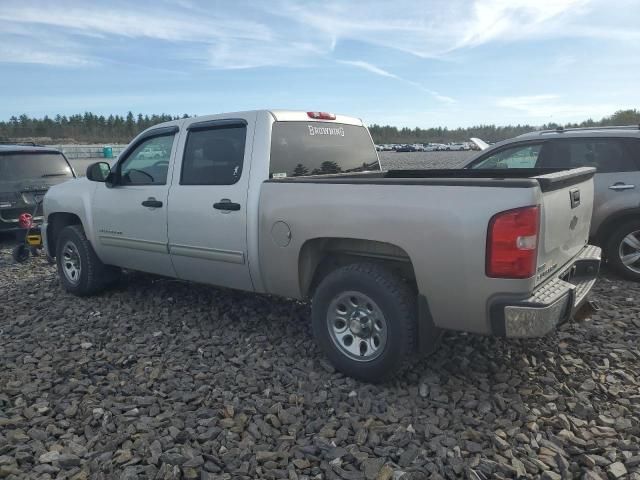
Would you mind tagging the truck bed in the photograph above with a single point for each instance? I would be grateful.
(547, 178)
(437, 219)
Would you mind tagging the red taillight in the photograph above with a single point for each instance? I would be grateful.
(321, 115)
(25, 220)
(512, 243)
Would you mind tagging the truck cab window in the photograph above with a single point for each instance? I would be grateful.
(300, 149)
(148, 163)
(214, 156)
(521, 156)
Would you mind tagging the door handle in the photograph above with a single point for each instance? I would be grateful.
(152, 202)
(226, 205)
(621, 186)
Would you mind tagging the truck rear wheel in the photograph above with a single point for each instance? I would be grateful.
(623, 250)
(364, 319)
(80, 270)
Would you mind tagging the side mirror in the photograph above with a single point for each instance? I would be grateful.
(98, 172)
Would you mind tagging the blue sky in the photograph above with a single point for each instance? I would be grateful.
(406, 63)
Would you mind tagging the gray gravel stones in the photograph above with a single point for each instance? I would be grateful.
(419, 160)
(186, 381)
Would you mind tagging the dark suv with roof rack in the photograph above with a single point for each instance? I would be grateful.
(615, 152)
(26, 173)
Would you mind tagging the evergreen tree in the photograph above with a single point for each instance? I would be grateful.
(327, 167)
(300, 170)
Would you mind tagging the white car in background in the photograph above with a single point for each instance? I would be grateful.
(479, 143)
(457, 147)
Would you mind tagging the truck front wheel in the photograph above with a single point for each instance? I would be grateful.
(80, 270)
(364, 319)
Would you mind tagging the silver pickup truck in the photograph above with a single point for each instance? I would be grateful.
(295, 204)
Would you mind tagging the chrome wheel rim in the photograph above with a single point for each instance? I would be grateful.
(357, 326)
(629, 251)
(71, 265)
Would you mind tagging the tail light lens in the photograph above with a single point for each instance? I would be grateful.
(512, 243)
(321, 115)
(25, 220)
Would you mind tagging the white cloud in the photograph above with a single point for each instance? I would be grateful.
(127, 20)
(515, 19)
(235, 53)
(438, 27)
(369, 68)
(442, 98)
(37, 22)
(384, 73)
(12, 53)
(18, 45)
(554, 107)
(289, 32)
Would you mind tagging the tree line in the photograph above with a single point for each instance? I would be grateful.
(92, 128)
(488, 133)
(80, 128)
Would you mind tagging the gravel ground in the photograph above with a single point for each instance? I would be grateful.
(165, 379)
(408, 160)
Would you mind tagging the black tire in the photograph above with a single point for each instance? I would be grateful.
(612, 250)
(394, 298)
(93, 275)
(20, 253)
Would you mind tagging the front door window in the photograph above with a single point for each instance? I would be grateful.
(148, 163)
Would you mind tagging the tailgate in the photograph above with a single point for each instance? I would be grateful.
(567, 204)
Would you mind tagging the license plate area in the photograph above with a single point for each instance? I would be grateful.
(569, 274)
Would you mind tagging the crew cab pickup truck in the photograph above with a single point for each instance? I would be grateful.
(295, 204)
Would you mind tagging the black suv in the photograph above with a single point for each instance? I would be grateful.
(26, 173)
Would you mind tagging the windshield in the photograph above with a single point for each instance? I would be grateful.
(31, 165)
(317, 148)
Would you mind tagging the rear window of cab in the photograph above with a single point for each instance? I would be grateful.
(301, 149)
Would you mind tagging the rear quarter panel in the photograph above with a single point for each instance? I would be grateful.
(442, 228)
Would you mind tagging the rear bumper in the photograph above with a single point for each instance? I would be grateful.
(9, 217)
(551, 303)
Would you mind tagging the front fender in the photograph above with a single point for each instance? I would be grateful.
(73, 197)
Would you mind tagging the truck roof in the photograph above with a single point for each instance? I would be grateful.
(8, 148)
(278, 115)
(302, 116)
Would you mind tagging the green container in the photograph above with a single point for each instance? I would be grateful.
(107, 152)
